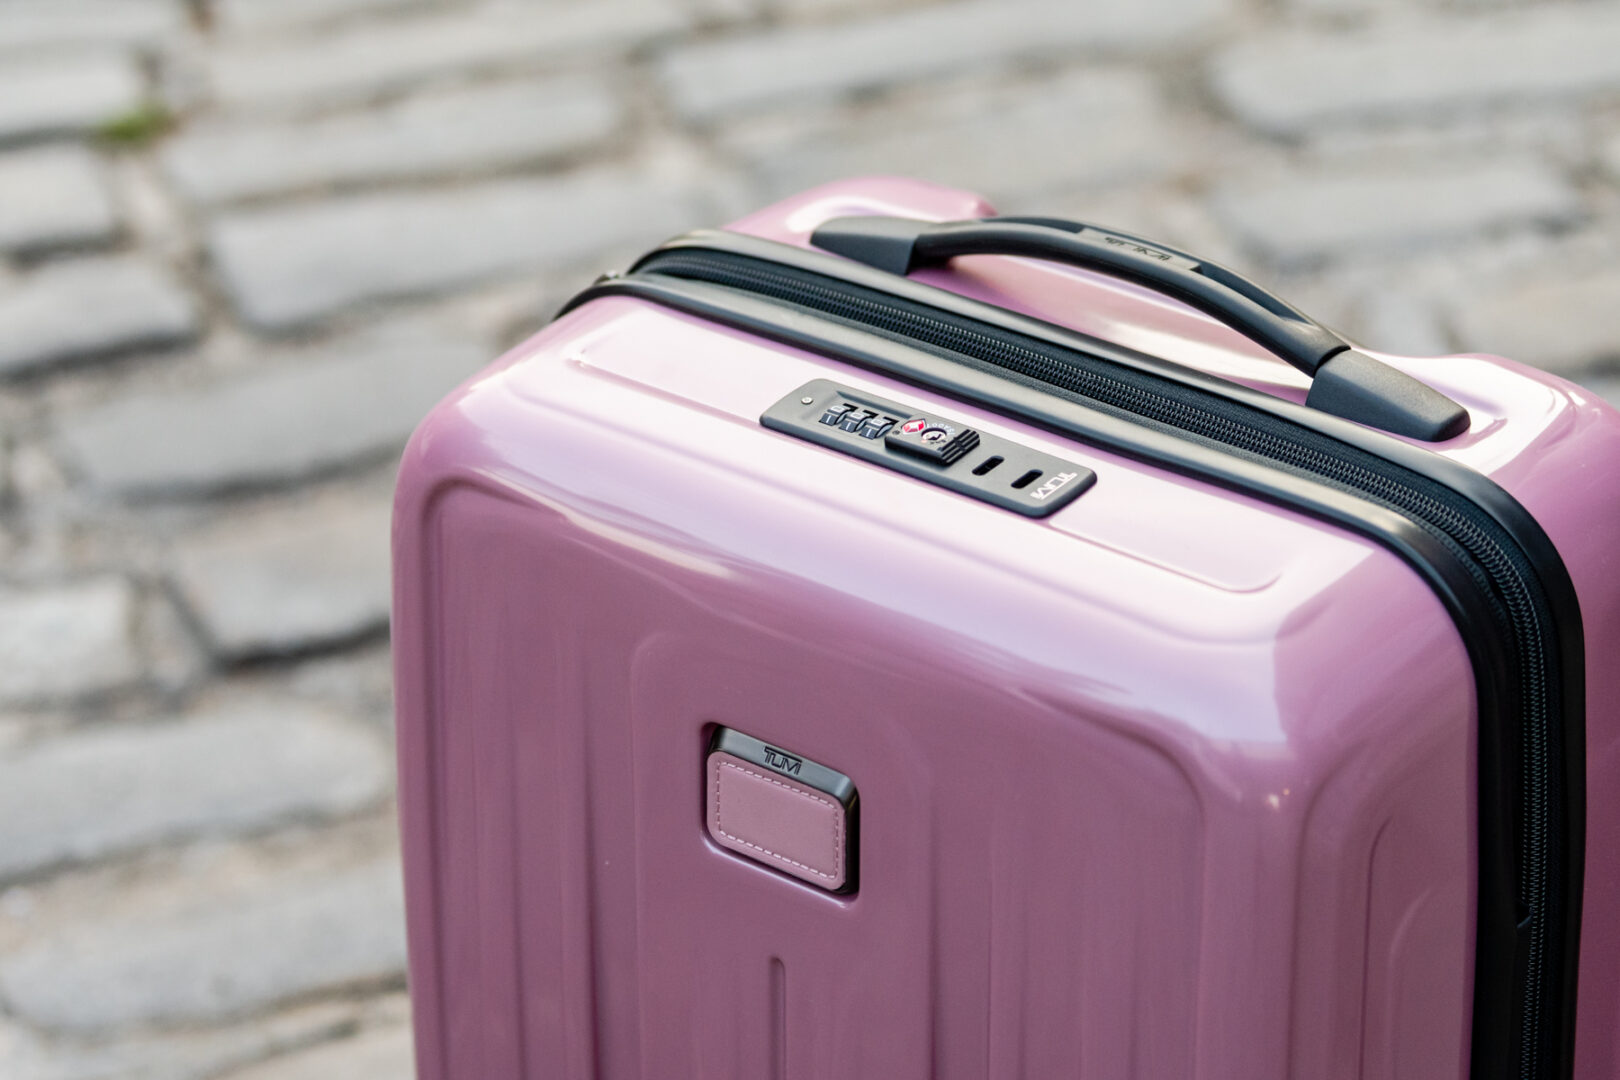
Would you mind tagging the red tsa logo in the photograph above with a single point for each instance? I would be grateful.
(911, 427)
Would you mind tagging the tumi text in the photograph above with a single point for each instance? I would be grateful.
(1052, 485)
(781, 762)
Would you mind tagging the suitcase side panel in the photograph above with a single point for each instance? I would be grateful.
(1229, 800)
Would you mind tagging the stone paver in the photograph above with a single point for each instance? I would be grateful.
(288, 266)
(354, 65)
(1303, 219)
(243, 765)
(54, 197)
(286, 579)
(813, 9)
(1397, 320)
(221, 959)
(200, 1055)
(36, 24)
(444, 135)
(175, 659)
(1290, 81)
(353, 399)
(91, 307)
(1609, 157)
(68, 93)
(243, 17)
(1565, 323)
(1113, 131)
(1346, 8)
(710, 80)
(66, 640)
(380, 1054)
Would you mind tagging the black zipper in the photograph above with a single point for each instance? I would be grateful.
(1527, 946)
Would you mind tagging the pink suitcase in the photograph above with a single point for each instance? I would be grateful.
(808, 671)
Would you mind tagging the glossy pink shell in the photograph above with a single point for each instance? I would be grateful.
(1172, 783)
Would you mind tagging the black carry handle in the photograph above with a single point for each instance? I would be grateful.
(1345, 382)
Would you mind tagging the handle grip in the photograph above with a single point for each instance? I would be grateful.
(1345, 382)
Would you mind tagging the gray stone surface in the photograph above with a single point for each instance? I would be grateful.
(287, 578)
(66, 641)
(242, 765)
(360, 680)
(90, 307)
(352, 399)
(379, 1054)
(260, 16)
(1112, 122)
(461, 132)
(175, 659)
(1399, 320)
(1300, 219)
(811, 9)
(192, 1055)
(1346, 8)
(35, 24)
(354, 65)
(788, 67)
(288, 266)
(53, 197)
(221, 958)
(1289, 81)
(1565, 322)
(1609, 156)
(24, 1054)
(722, 12)
(66, 93)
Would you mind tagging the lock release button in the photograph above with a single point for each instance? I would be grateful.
(932, 440)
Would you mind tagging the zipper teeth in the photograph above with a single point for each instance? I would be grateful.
(1485, 556)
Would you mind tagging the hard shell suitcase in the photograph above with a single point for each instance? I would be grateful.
(884, 640)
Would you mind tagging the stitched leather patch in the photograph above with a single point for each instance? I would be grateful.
(777, 821)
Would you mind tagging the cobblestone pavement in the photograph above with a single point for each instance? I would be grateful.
(244, 244)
